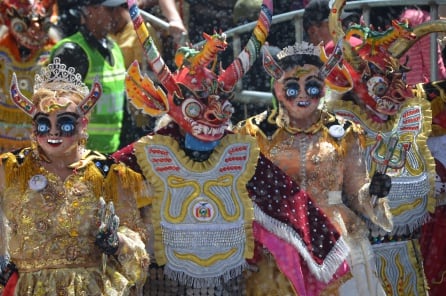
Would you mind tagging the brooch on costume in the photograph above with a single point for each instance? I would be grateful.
(336, 131)
(38, 182)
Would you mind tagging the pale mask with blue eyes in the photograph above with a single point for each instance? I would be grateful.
(66, 124)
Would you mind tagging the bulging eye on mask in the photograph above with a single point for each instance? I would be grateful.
(66, 124)
(312, 89)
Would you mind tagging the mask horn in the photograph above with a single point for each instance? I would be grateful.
(25, 104)
(270, 65)
(152, 54)
(89, 101)
(234, 72)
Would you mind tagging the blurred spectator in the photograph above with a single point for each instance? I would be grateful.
(93, 54)
(134, 124)
(315, 21)
(381, 17)
(68, 21)
(25, 44)
(419, 60)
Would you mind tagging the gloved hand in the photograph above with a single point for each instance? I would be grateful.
(380, 185)
(5, 273)
(107, 237)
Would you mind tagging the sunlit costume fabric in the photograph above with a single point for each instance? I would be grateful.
(51, 238)
(215, 196)
(49, 225)
(24, 48)
(329, 166)
(388, 110)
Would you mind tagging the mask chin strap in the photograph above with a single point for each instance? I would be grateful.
(193, 143)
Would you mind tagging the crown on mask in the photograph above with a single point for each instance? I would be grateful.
(303, 48)
(57, 76)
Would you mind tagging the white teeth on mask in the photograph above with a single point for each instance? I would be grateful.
(303, 103)
(199, 129)
(52, 141)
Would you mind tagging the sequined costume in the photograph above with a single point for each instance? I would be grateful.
(204, 234)
(214, 195)
(24, 48)
(397, 123)
(325, 164)
(52, 225)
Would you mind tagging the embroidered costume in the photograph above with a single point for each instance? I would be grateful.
(214, 195)
(321, 153)
(58, 235)
(50, 238)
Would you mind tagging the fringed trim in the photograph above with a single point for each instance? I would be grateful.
(424, 149)
(331, 263)
(191, 281)
(404, 229)
(94, 176)
(130, 181)
(15, 172)
(159, 187)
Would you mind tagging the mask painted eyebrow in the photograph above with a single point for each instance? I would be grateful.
(306, 79)
(42, 114)
(73, 114)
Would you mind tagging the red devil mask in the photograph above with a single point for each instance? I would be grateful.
(378, 77)
(197, 96)
(28, 20)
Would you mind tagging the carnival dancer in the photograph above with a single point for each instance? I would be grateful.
(215, 196)
(324, 154)
(69, 224)
(24, 48)
(397, 122)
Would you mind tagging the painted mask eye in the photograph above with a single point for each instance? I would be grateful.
(67, 124)
(377, 86)
(43, 125)
(291, 90)
(192, 109)
(18, 25)
(313, 89)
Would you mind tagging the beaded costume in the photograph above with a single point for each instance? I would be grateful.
(397, 122)
(215, 197)
(51, 227)
(24, 48)
(57, 232)
(325, 165)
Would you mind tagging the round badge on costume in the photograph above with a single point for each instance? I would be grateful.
(38, 182)
(336, 131)
(203, 211)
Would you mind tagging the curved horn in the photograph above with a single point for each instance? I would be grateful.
(270, 65)
(338, 35)
(154, 59)
(401, 45)
(25, 104)
(249, 54)
(92, 98)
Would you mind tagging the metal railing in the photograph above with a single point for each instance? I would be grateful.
(248, 96)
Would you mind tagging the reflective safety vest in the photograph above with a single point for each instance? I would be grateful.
(105, 123)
